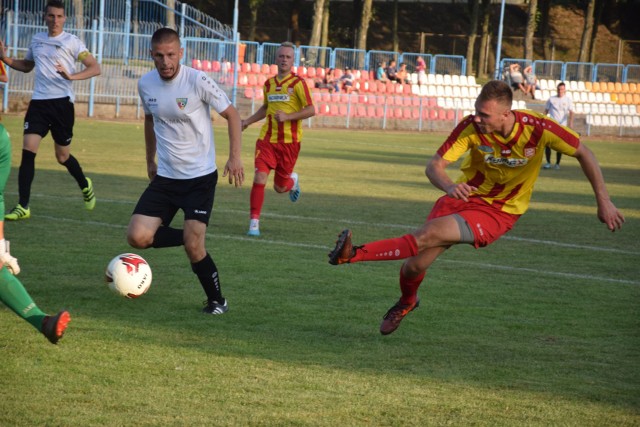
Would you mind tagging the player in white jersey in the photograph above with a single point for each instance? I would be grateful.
(177, 129)
(560, 109)
(53, 55)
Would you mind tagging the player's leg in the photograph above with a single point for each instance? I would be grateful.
(62, 133)
(14, 295)
(558, 157)
(197, 207)
(149, 225)
(264, 162)
(547, 155)
(286, 180)
(36, 127)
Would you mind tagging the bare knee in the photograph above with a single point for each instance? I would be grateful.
(139, 240)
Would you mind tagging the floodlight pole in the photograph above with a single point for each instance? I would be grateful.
(499, 47)
(237, 45)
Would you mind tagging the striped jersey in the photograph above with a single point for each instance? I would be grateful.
(505, 169)
(289, 95)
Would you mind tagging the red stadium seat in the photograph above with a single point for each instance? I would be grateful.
(255, 68)
(361, 111)
(406, 114)
(333, 109)
(343, 110)
(197, 64)
(252, 79)
(371, 111)
(320, 72)
(206, 65)
(311, 72)
(261, 79)
(379, 111)
(245, 67)
(215, 66)
(264, 69)
(273, 69)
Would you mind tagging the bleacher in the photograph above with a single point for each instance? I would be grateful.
(606, 104)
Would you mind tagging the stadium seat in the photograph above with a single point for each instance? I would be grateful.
(215, 66)
(273, 69)
(242, 79)
(245, 67)
(343, 110)
(588, 86)
(379, 112)
(371, 111)
(397, 112)
(333, 109)
(197, 64)
(406, 114)
(264, 69)
(252, 79)
(320, 72)
(361, 111)
(206, 65)
(255, 68)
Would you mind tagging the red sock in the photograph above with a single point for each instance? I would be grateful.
(388, 249)
(409, 287)
(256, 200)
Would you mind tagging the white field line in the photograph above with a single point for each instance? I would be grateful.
(487, 266)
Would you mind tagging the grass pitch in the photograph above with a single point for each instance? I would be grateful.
(540, 328)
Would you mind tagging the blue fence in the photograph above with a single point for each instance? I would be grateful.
(579, 71)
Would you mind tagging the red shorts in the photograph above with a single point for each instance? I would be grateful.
(280, 157)
(487, 222)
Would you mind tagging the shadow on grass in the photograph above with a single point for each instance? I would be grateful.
(508, 328)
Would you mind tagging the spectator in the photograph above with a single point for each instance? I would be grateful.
(559, 108)
(402, 75)
(392, 72)
(347, 80)
(531, 80)
(330, 81)
(517, 79)
(421, 69)
(381, 74)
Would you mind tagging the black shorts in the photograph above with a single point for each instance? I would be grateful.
(164, 196)
(55, 115)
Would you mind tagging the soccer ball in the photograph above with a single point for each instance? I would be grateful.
(128, 275)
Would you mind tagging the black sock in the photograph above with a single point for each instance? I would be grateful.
(207, 273)
(25, 177)
(75, 170)
(167, 237)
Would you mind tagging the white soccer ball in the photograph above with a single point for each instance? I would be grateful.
(128, 275)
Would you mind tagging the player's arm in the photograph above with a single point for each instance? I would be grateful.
(257, 116)
(234, 168)
(607, 212)
(150, 145)
(305, 113)
(570, 122)
(23, 65)
(438, 176)
(91, 68)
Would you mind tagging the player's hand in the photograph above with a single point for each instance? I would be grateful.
(461, 191)
(152, 170)
(63, 72)
(3, 50)
(11, 262)
(235, 171)
(610, 216)
(281, 116)
(243, 125)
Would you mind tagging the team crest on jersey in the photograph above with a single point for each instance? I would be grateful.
(529, 152)
(290, 90)
(182, 102)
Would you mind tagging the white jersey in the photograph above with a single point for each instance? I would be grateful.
(46, 52)
(559, 108)
(182, 120)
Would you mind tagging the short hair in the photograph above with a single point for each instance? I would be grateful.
(56, 4)
(498, 91)
(165, 35)
(288, 44)
(561, 84)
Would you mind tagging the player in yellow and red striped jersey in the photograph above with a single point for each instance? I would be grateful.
(504, 149)
(287, 101)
